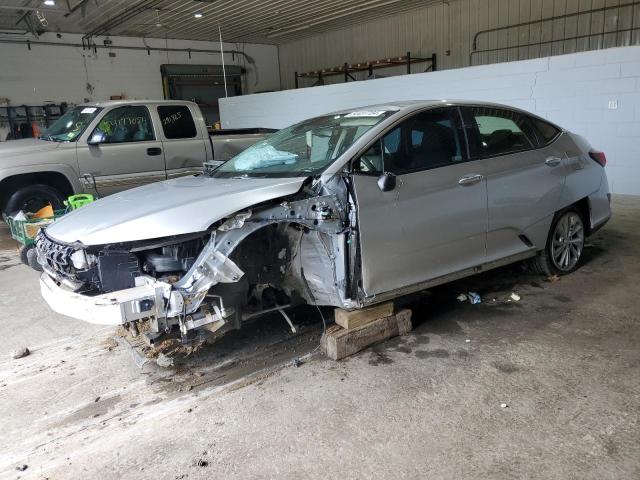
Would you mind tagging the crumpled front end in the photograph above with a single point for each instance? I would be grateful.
(294, 250)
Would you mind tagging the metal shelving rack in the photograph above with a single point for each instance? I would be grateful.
(23, 119)
(369, 66)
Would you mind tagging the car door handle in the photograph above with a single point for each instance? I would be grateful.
(470, 180)
(553, 161)
(154, 151)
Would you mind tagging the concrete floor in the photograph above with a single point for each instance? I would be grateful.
(565, 360)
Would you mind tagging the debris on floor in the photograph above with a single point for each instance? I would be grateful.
(503, 405)
(461, 298)
(553, 278)
(164, 361)
(22, 468)
(514, 296)
(110, 343)
(474, 298)
(20, 353)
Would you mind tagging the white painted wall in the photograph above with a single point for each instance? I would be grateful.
(448, 29)
(57, 73)
(571, 90)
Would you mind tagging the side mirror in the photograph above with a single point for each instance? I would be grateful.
(387, 181)
(97, 137)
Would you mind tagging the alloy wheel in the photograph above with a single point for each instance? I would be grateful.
(567, 241)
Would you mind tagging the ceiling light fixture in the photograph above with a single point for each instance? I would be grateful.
(50, 3)
(198, 15)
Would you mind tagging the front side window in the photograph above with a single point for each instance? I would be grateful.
(177, 121)
(306, 148)
(71, 125)
(124, 124)
(427, 140)
(501, 131)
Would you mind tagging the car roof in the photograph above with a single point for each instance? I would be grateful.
(111, 103)
(407, 106)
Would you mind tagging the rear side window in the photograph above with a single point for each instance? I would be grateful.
(502, 131)
(546, 131)
(177, 121)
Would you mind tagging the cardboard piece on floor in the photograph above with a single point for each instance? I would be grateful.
(355, 318)
(338, 343)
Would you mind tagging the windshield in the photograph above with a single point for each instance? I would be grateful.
(303, 149)
(71, 125)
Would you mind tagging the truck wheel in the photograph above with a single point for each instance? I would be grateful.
(32, 259)
(33, 197)
(24, 254)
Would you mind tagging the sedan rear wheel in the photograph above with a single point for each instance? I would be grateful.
(564, 246)
(567, 242)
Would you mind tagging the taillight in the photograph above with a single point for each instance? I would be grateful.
(598, 156)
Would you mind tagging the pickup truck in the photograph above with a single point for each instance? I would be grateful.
(106, 147)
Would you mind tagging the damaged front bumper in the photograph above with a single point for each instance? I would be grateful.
(116, 308)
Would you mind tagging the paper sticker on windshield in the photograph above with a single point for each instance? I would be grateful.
(88, 110)
(365, 113)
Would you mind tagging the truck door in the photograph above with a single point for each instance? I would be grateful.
(183, 140)
(121, 152)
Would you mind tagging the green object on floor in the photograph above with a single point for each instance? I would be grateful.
(77, 201)
(25, 228)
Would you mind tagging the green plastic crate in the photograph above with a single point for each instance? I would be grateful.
(25, 231)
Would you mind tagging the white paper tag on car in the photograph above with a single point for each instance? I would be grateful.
(365, 113)
(88, 110)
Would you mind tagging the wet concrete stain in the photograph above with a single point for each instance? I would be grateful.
(437, 353)
(505, 367)
(379, 358)
(462, 354)
(8, 266)
(562, 298)
(92, 410)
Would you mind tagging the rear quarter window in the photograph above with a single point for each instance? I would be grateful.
(502, 131)
(177, 121)
(546, 132)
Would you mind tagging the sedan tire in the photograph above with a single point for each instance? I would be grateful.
(564, 247)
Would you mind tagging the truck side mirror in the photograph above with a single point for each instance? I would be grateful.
(387, 181)
(97, 137)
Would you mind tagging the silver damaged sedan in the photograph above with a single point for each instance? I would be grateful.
(347, 209)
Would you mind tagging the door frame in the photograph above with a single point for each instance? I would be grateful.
(355, 270)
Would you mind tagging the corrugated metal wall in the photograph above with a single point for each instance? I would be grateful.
(448, 29)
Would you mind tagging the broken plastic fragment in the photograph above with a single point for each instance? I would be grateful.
(461, 298)
(515, 297)
(474, 298)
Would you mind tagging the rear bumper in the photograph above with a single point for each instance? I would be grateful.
(114, 308)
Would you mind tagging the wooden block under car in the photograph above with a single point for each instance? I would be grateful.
(338, 343)
(354, 318)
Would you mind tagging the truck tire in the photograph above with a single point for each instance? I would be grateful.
(32, 259)
(32, 198)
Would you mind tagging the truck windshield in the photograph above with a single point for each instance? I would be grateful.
(303, 149)
(71, 125)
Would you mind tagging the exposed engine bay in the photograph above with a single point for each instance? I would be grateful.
(281, 253)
